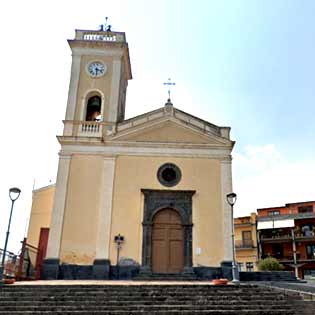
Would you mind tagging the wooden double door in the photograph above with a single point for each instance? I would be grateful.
(167, 242)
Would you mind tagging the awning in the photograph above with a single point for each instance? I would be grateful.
(275, 224)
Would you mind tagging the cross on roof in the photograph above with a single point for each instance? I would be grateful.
(169, 84)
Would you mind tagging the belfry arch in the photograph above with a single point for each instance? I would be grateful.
(93, 108)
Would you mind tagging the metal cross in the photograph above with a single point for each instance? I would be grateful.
(105, 27)
(169, 84)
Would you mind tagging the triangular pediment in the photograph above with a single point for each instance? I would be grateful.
(167, 132)
(175, 128)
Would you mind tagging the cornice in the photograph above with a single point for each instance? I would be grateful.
(223, 154)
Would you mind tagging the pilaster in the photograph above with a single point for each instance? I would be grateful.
(72, 95)
(115, 89)
(226, 187)
(105, 209)
(56, 225)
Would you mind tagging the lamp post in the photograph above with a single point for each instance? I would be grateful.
(119, 239)
(14, 194)
(231, 199)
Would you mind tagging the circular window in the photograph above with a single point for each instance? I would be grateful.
(169, 174)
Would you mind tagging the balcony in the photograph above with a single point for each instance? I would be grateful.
(242, 222)
(244, 244)
(299, 259)
(305, 237)
(275, 238)
(96, 129)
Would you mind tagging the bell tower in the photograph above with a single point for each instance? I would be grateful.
(99, 77)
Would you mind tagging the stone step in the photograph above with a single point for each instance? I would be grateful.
(146, 308)
(152, 299)
(210, 288)
(171, 312)
(201, 301)
(96, 297)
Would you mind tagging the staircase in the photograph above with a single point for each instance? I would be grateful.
(146, 299)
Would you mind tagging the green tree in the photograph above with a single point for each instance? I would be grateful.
(270, 264)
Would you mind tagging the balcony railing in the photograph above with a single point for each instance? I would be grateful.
(100, 36)
(244, 244)
(88, 128)
(283, 237)
(287, 237)
(243, 222)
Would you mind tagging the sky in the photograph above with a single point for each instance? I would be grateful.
(247, 64)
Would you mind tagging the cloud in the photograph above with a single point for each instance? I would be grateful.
(263, 177)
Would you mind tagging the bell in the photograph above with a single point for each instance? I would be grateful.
(95, 101)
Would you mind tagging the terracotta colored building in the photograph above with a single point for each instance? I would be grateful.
(288, 234)
(246, 243)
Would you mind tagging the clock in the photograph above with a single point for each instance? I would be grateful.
(96, 69)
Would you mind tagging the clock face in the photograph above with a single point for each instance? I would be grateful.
(96, 69)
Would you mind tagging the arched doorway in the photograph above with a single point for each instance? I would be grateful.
(167, 242)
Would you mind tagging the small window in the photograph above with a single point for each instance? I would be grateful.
(249, 266)
(310, 251)
(306, 230)
(305, 209)
(169, 174)
(93, 109)
(246, 235)
(273, 212)
(240, 266)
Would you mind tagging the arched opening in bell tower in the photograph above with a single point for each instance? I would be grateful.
(93, 109)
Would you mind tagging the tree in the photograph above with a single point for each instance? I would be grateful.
(270, 264)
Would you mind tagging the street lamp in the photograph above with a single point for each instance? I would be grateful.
(231, 199)
(14, 194)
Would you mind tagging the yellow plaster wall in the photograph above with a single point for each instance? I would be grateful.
(42, 203)
(246, 255)
(87, 84)
(81, 211)
(203, 175)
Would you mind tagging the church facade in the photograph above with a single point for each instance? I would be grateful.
(157, 182)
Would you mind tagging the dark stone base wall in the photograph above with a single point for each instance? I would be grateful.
(52, 270)
(267, 276)
(124, 272)
(102, 270)
(208, 273)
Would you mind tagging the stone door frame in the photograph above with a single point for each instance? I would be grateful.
(156, 200)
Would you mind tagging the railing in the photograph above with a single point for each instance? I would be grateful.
(275, 237)
(90, 127)
(246, 221)
(100, 36)
(299, 236)
(244, 244)
(11, 264)
(22, 266)
(279, 237)
(28, 262)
